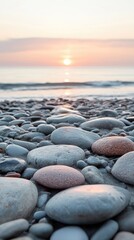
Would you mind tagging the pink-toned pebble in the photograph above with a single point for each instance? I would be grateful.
(113, 146)
(59, 177)
(13, 174)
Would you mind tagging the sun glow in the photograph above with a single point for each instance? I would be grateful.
(67, 62)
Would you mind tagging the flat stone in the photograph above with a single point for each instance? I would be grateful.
(123, 169)
(66, 118)
(88, 204)
(28, 145)
(102, 123)
(69, 233)
(12, 165)
(61, 110)
(59, 177)
(106, 231)
(124, 236)
(14, 150)
(13, 228)
(18, 198)
(108, 113)
(112, 146)
(4, 130)
(54, 155)
(74, 136)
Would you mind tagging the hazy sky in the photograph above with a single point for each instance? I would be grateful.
(39, 32)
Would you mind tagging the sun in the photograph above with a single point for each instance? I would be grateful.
(67, 62)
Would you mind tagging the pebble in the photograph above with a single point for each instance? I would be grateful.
(61, 110)
(108, 113)
(4, 130)
(69, 233)
(81, 164)
(42, 230)
(39, 214)
(107, 231)
(12, 165)
(95, 161)
(123, 169)
(126, 220)
(88, 204)
(42, 199)
(13, 174)
(124, 236)
(28, 145)
(66, 118)
(54, 155)
(28, 173)
(45, 128)
(13, 228)
(18, 198)
(74, 136)
(102, 123)
(14, 150)
(92, 175)
(59, 177)
(112, 146)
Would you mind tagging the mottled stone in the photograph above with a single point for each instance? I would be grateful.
(12, 165)
(92, 175)
(123, 169)
(55, 154)
(102, 123)
(69, 233)
(18, 198)
(59, 177)
(112, 146)
(13, 228)
(74, 136)
(88, 204)
(28, 145)
(109, 113)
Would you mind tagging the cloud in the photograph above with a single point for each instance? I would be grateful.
(35, 44)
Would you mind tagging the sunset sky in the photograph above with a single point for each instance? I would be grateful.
(67, 32)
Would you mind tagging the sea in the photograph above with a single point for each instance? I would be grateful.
(24, 83)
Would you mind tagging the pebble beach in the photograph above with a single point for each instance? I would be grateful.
(67, 169)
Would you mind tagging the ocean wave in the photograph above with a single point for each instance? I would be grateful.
(64, 85)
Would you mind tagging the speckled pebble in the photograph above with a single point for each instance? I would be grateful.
(92, 175)
(124, 236)
(59, 177)
(112, 146)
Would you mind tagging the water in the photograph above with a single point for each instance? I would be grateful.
(25, 83)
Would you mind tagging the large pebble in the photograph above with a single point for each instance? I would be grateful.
(13, 228)
(12, 165)
(106, 231)
(45, 128)
(74, 136)
(123, 169)
(69, 233)
(112, 146)
(59, 177)
(88, 204)
(102, 123)
(66, 118)
(61, 110)
(14, 150)
(55, 154)
(18, 198)
(25, 144)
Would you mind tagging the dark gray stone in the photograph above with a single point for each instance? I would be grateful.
(12, 165)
